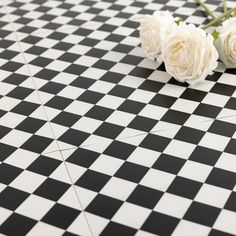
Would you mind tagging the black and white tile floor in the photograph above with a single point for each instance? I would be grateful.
(97, 140)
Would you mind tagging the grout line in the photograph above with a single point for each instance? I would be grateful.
(63, 149)
(48, 121)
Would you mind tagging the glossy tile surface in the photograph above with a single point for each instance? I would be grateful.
(95, 139)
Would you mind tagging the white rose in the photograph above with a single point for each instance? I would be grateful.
(189, 54)
(226, 42)
(153, 29)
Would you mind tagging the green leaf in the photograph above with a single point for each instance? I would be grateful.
(215, 34)
(178, 21)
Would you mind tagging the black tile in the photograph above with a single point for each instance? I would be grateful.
(31, 125)
(83, 157)
(207, 110)
(52, 189)
(82, 82)
(202, 214)
(142, 123)
(37, 143)
(104, 206)
(223, 89)
(11, 198)
(222, 128)
(152, 86)
(163, 100)
(103, 64)
(184, 187)
(46, 74)
(189, 135)
(41, 61)
(93, 180)
(6, 151)
(155, 142)
(119, 150)
(193, 94)
(44, 165)
(59, 102)
(99, 113)
(60, 216)
(230, 204)
(131, 106)
(15, 79)
(121, 91)
(222, 178)
(168, 164)
(116, 229)
(8, 173)
(175, 117)
(66, 119)
(144, 73)
(231, 104)
(25, 108)
(20, 93)
(109, 130)
(144, 196)
(22, 225)
(231, 147)
(205, 155)
(11, 66)
(4, 131)
(90, 97)
(52, 87)
(132, 172)
(160, 224)
(112, 77)
(215, 232)
(74, 137)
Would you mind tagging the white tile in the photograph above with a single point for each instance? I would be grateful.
(87, 124)
(227, 162)
(39, 205)
(110, 101)
(96, 223)
(106, 164)
(86, 196)
(215, 99)
(212, 195)
(153, 112)
(45, 229)
(184, 105)
(157, 179)
(172, 90)
(195, 171)
(101, 87)
(70, 199)
(131, 215)
(214, 141)
(21, 158)
(173, 205)
(118, 188)
(28, 181)
(4, 214)
(143, 156)
(79, 226)
(186, 228)
(141, 96)
(226, 222)
(120, 118)
(180, 149)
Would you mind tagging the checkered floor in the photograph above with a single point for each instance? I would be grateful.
(97, 140)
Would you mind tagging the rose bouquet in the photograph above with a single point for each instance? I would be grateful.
(189, 52)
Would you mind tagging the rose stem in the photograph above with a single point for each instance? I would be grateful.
(205, 7)
(224, 6)
(218, 19)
